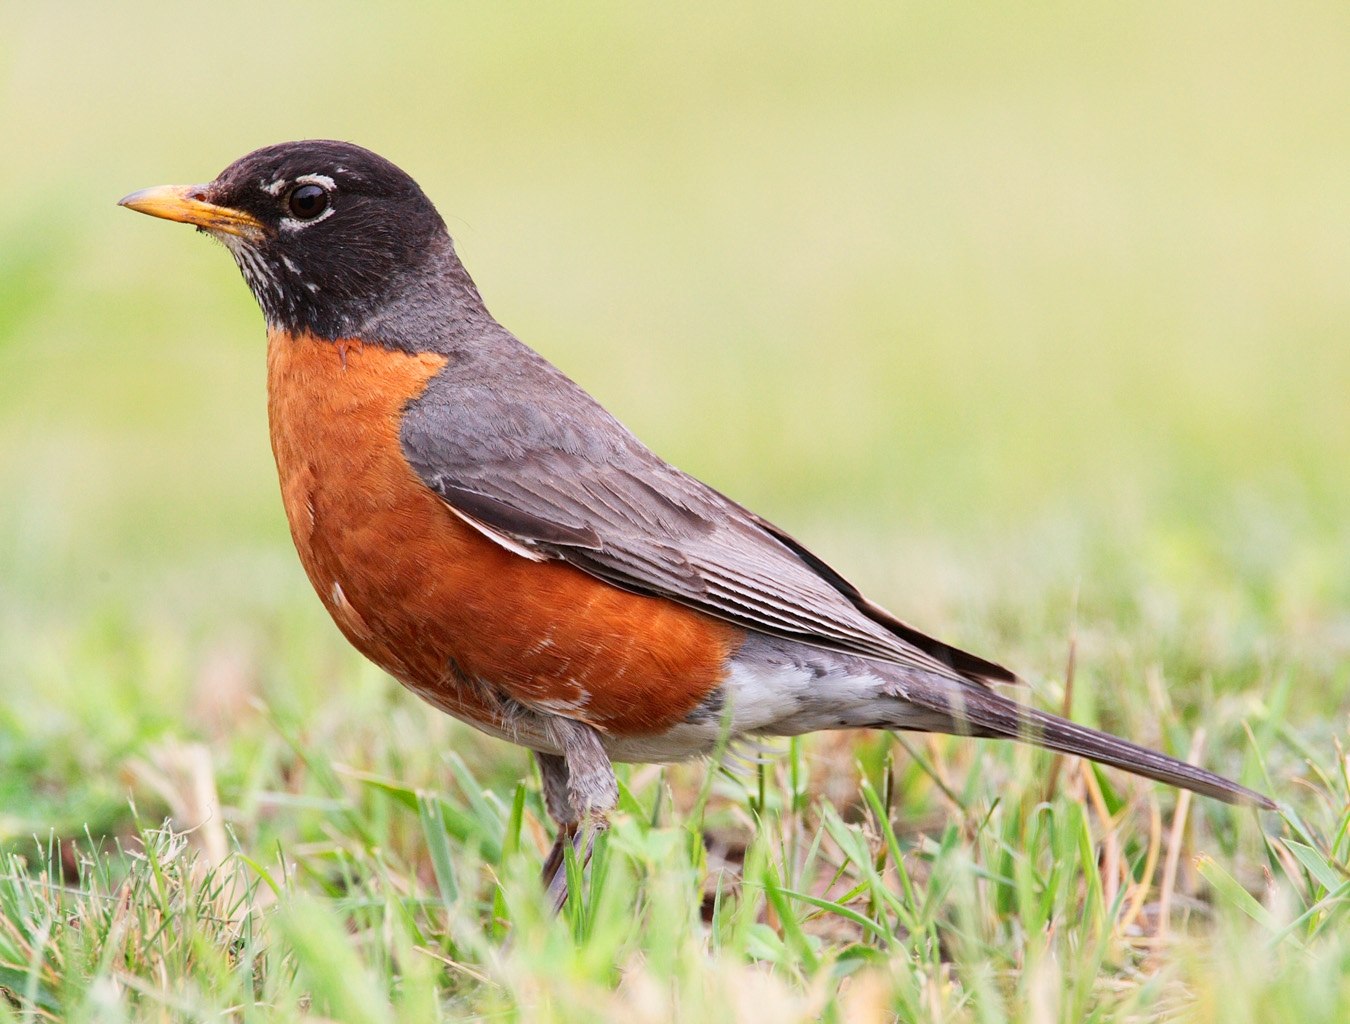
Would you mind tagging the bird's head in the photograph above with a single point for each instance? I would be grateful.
(325, 233)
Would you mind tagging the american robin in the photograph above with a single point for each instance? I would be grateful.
(480, 528)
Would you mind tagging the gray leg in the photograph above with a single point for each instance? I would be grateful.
(553, 770)
(591, 787)
(553, 773)
(579, 792)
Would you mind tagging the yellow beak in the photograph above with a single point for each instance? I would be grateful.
(184, 203)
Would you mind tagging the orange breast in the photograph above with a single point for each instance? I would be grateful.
(445, 610)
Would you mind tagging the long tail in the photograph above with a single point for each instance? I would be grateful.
(974, 711)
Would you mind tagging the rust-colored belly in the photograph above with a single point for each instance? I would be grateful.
(448, 612)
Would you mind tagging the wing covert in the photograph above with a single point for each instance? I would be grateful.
(533, 458)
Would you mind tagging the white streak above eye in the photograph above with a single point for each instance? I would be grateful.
(317, 179)
(273, 188)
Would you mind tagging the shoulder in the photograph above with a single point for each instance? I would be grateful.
(497, 399)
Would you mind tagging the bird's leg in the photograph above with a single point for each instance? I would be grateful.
(553, 772)
(579, 792)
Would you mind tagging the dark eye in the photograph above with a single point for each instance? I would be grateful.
(305, 202)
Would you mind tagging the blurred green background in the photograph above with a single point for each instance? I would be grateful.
(991, 306)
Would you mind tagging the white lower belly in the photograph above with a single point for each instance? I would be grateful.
(769, 698)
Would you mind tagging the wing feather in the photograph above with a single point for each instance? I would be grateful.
(531, 460)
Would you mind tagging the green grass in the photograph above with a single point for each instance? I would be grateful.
(382, 901)
(1032, 322)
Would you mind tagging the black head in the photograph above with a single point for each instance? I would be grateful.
(326, 234)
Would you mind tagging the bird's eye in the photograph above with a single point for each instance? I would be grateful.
(305, 202)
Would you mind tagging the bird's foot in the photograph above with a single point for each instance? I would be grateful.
(581, 838)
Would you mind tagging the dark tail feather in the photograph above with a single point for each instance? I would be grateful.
(979, 712)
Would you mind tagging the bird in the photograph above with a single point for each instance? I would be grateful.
(483, 530)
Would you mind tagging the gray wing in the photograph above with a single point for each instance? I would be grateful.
(529, 458)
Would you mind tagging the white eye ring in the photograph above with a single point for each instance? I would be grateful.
(323, 181)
